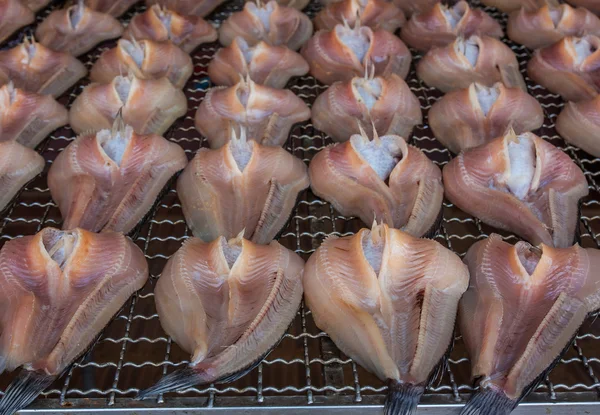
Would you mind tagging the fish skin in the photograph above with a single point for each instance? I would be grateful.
(159, 59)
(33, 67)
(377, 14)
(218, 198)
(77, 29)
(13, 16)
(508, 6)
(267, 114)
(18, 165)
(265, 64)
(338, 111)
(447, 68)
(35, 5)
(579, 123)
(331, 59)
(54, 305)
(161, 24)
(459, 120)
(27, 117)
(562, 70)
(226, 311)
(98, 105)
(286, 26)
(435, 29)
(478, 182)
(411, 201)
(543, 27)
(113, 7)
(401, 304)
(104, 195)
(522, 308)
(200, 8)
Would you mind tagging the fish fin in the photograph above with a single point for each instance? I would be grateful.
(271, 130)
(489, 402)
(155, 121)
(436, 227)
(270, 214)
(23, 390)
(511, 77)
(180, 379)
(402, 398)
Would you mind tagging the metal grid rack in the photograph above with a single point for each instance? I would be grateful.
(306, 370)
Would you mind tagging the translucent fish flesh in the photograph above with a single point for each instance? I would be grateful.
(227, 303)
(274, 24)
(58, 290)
(241, 187)
(145, 59)
(377, 14)
(18, 165)
(345, 52)
(160, 24)
(470, 117)
(13, 16)
(27, 117)
(579, 124)
(522, 309)
(265, 64)
(113, 176)
(77, 29)
(386, 102)
(113, 7)
(267, 114)
(98, 105)
(443, 24)
(522, 184)
(200, 8)
(549, 24)
(480, 59)
(568, 67)
(388, 300)
(35, 68)
(382, 180)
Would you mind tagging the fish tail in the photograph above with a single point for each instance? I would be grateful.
(180, 379)
(489, 402)
(402, 398)
(23, 390)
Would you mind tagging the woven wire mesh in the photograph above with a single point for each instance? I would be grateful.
(133, 352)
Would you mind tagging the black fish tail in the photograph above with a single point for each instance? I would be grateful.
(402, 398)
(23, 390)
(180, 379)
(489, 402)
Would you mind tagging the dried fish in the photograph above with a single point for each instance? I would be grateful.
(201, 8)
(113, 7)
(376, 14)
(13, 16)
(579, 124)
(18, 165)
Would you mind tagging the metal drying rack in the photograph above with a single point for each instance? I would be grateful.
(305, 374)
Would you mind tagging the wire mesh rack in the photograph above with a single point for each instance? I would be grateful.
(306, 371)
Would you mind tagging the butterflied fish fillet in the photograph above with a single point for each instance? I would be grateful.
(35, 5)
(200, 8)
(579, 124)
(388, 300)
(592, 5)
(443, 24)
(549, 24)
(345, 52)
(159, 24)
(18, 165)
(28, 117)
(277, 25)
(58, 290)
(387, 102)
(35, 68)
(242, 186)
(97, 106)
(410, 7)
(522, 308)
(512, 5)
(77, 29)
(377, 14)
(521, 184)
(13, 16)
(113, 176)
(113, 7)
(568, 67)
(265, 64)
(227, 303)
(475, 115)
(480, 59)
(146, 59)
(266, 113)
(382, 179)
